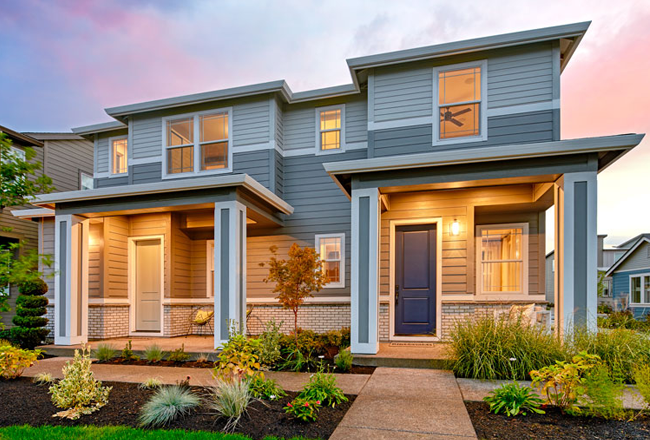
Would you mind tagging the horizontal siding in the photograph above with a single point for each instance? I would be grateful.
(181, 261)
(65, 159)
(621, 291)
(403, 92)
(116, 233)
(250, 123)
(279, 174)
(255, 164)
(146, 173)
(101, 153)
(105, 182)
(356, 121)
(146, 137)
(639, 259)
(502, 130)
(95, 260)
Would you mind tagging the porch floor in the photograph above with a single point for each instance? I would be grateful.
(406, 355)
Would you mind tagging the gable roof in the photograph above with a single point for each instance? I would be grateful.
(20, 138)
(631, 241)
(627, 254)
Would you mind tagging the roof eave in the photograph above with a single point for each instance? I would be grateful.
(626, 254)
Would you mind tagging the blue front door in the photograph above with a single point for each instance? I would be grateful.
(415, 280)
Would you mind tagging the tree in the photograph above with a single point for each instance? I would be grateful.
(296, 278)
(30, 310)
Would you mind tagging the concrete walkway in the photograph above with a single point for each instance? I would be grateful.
(401, 403)
(349, 383)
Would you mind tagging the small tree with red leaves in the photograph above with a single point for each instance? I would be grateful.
(295, 278)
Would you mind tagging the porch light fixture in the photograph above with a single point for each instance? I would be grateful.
(455, 228)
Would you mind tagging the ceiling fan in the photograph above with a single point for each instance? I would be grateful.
(448, 115)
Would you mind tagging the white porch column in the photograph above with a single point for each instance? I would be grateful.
(229, 269)
(71, 237)
(576, 242)
(365, 271)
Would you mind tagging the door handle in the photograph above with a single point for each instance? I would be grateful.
(396, 294)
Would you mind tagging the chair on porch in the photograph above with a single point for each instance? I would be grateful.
(200, 317)
(527, 314)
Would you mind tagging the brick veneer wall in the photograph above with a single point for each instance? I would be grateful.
(177, 320)
(108, 321)
(50, 321)
(384, 322)
(316, 317)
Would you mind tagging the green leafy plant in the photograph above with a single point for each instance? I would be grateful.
(230, 399)
(14, 360)
(30, 321)
(179, 355)
(322, 387)
(104, 352)
(642, 378)
(267, 389)
(604, 394)
(151, 383)
(78, 393)
(238, 359)
(622, 319)
(43, 379)
(563, 382)
(488, 347)
(295, 278)
(303, 409)
(297, 361)
(127, 353)
(153, 353)
(343, 360)
(514, 399)
(168, 404)
(270, 351)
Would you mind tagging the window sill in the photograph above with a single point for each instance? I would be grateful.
(320, 152)
(196, 174)
(460, 140)
(334, 286)
(640, 305)
(111, 175)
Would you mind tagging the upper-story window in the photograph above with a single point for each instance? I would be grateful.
(198, 143)
(460, 102)
(119, 154)
(18, 153)
(86, 181)
(330, 133)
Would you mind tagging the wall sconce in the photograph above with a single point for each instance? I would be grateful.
(455, 228)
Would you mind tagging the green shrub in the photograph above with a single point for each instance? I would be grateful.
(14, 360)
(620, 349)
(623, 320)
(127, 353)
(151, 383)
(270, 352)
(303, 409)
(642, 378)
(179, 355)
(104, 352)
(78, 393)
(168, 404)
(30, 318)
(266, 389)
(43, 379)
(308, 341)
(604, 394)
(604, 308)
(493, 348)
(230, 399)
(322, 387)
(297, 361)
(154, 353)
(514, 399)
(344, 360)
(238, 359)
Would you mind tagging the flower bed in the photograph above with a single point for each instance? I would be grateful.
(23, 402)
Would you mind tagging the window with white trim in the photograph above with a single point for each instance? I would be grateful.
(209, 275)
(331, 248)
(460, 102)
(86, 181)
(502, 259)
(198, 143)
(330, 132)
(20, 154)
(119, 155)
(640, 290)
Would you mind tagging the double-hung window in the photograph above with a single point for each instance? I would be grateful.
(119, 155)
(459, 103)
(640, 290)
(86, 181)
(198, 143)
(330, 131)
(331, 248)
(502, 259)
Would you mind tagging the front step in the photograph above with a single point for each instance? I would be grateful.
(406, 355)
(377, 361)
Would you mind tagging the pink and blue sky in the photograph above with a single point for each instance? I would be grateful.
(62, 62)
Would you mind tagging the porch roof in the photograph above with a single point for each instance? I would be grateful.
(168, 186)
(608, 148)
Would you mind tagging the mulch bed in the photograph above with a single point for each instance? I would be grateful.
(195, 364)
(22, 402)
(552, 425)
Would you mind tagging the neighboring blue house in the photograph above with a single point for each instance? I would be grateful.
(631, 278)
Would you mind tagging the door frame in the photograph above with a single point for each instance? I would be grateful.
(131, 285)
(391, 287)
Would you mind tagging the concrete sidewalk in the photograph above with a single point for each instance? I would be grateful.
(349, 383)
(400, 403)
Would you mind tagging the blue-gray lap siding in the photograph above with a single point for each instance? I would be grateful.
(621, 290)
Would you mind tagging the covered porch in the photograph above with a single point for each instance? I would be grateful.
(439, 237)
(142, 261)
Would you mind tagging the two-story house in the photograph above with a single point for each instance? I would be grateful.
(68, 160)
(422, 184)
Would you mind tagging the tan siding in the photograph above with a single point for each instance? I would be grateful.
(116, 231)
(65, 159)
(181, 250)
(95, 268)
(199, 268)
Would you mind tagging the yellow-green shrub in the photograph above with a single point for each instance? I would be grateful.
(79, 393)
(14, 360)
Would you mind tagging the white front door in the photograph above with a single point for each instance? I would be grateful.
(147, 279)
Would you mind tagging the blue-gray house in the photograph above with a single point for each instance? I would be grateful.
(631, 278)
(423, 184)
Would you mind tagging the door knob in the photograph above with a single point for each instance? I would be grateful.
(396, 294)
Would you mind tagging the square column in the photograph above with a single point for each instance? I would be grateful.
(71, 237)
(229, 269)
(365, 271)
(576, 243)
